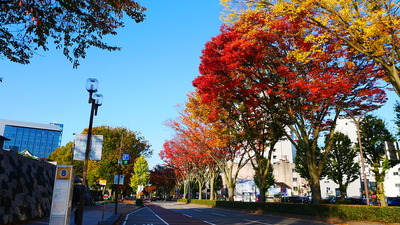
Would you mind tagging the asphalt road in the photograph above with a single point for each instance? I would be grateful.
(172, 213)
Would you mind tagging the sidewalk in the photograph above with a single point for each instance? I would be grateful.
(92, 215)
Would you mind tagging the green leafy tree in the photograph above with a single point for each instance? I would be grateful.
(267, 181)
(71, 26)
(116, 141)
(302, 159)
(140, 175)
(373, 136)
(340, 166)
(63, 156)
(397, 117)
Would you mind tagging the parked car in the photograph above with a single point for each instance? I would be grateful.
(292, 199)
(393, 201)
(305, 199)
(354, 201)
(334, 199)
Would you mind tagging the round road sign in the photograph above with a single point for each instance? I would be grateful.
(105, 196)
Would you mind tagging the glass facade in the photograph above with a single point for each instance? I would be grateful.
(40, 142)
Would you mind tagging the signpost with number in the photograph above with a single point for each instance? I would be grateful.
(62, 195)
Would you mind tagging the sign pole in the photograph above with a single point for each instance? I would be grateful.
(116, 196)
(105, 198)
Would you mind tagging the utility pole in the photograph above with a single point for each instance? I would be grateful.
(119, 171)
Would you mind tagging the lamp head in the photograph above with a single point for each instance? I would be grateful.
(98, 99)
(92, 84)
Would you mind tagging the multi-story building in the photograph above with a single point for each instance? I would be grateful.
(346, 126)
(289, 182)
(39, 139)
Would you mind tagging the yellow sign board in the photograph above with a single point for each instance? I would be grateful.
(63, 173)
(102, 182)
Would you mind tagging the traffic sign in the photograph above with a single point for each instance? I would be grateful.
(105, 196)
(63, 173)
(103, 182)
(121, 179)
(125, 157)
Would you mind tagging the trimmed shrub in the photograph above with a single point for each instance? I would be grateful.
(347, 212)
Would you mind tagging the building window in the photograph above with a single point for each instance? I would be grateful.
(326, 182)
(397, 185)
(293, 170)
(395, 173)
(294, 179)
(295, 188)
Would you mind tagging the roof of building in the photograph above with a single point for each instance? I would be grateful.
(27, 153)
(29, 124)
(2, 138)
(282, 185)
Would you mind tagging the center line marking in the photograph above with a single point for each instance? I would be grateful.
(255, 221)
(217, 214)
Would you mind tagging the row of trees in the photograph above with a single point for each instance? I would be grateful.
(269, 76)
(161, 180)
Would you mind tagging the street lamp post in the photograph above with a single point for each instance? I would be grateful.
(95, 100)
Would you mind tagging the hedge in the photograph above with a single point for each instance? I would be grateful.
(347, 212)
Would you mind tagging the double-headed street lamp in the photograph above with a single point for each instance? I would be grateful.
(96, 100)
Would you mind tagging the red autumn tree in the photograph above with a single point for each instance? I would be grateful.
(216, 141)
(267, 63)
(164, 178)
(174, 154)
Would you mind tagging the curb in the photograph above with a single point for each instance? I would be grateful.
(110, 220)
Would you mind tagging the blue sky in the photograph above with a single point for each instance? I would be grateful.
(141, 84)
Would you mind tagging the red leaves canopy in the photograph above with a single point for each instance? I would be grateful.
(264, 59)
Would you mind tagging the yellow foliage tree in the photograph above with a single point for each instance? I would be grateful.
(368, 27)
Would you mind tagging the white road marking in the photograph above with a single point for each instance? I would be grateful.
(187, 215)
(255, 221)
(198, 210)
(127, 216)
(217, 214)
(209, 223)
(157, 215)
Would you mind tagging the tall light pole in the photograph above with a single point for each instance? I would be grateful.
(357, 122)
(95, 100)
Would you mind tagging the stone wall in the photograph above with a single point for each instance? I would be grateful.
(26, 187)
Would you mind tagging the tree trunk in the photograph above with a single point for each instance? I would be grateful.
(189, 190)
(231, 192)
(185, 191)
(315, 191)
(262, 194)
(342, 192)
(200, 190)
(380, 190)
(212, 186)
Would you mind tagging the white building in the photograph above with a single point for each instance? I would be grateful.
(392, 180)
(293, 184)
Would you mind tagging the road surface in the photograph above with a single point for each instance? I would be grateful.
(172, 213)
